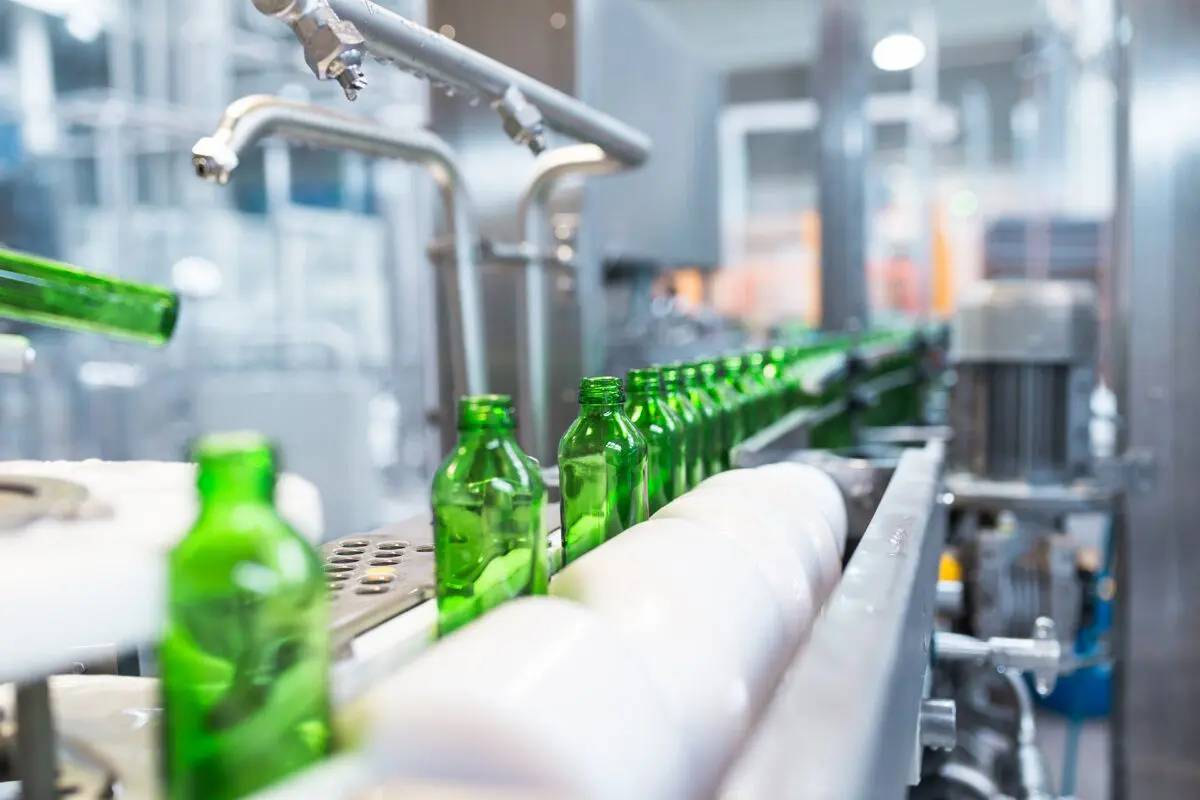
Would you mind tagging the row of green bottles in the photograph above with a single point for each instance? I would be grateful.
(34, 289)
(488, 499)
(244, 662)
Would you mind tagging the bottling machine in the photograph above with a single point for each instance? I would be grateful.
(779, 638)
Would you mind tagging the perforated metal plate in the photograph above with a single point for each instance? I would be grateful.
(376, 576)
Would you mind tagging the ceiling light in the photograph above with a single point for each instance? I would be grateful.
(84, 26)
(898, 52)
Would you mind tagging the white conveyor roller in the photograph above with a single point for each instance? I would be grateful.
(100, 579)
(541, 695)
(695, 610)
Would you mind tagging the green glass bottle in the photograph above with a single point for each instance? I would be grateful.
(778, 370)
(46, 292)
(488, 498)
(244, 663)
(754, 367)
(753, 411)
(693, 426)
(733, 408)
(603, 464)
(650, 414)
(712, 419)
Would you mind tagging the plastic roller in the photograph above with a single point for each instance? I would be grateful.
(695, 609)
(765, 539)
(542, 696)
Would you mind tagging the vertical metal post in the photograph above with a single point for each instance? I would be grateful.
(842, 173)
(1158, 685)
(36, 760)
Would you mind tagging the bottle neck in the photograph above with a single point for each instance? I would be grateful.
(598, 408)
(220, 488)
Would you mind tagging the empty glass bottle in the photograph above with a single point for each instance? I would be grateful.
(778, 370)
(488, 499)
(39, 290)
(650, 414)
(693, 424)
(752, 392)
(769, 391)
(733, 408)
(603, 465)
(244, 663)
(712, 419)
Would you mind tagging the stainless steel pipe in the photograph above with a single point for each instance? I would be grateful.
(550, 169)
(253, 118)
(515, 95)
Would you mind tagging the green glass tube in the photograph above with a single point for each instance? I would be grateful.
(244, 663)
(46, 292)
(650, 414)
(733, 408)
(488, 498)
(712, 419)
(693, 425)
(603, 464)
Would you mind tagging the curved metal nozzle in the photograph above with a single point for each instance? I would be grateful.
(253, 118)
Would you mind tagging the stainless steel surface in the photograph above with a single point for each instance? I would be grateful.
(1042, 655)
(550, 168)
(377, 576)
(1018, 496)
(939, 724)
(1031, 766)
(844, 142)
(950, 598)
(449, 64)
(1157, 328)
(844, 725)
(333, 48)
(862, 479)
(252, 118)
(1028, 322)
(907, 434)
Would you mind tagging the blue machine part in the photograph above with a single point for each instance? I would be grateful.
(11, 149)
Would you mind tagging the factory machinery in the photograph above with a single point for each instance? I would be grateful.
(782, 630)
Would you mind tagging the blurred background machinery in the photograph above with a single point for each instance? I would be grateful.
(318, 282)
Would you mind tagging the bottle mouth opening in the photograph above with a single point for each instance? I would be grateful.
(486, 412)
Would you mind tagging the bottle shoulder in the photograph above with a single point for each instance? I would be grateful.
(497, 463)
(227, 541)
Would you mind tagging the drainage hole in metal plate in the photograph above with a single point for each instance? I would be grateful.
(354, 543)
(338, 568)
(392, 545)
(342, 560)
(337, 577)
(384, 562)
(369, 579)
(335, 586)
(424, 548)
(349, 551)
(371, 589)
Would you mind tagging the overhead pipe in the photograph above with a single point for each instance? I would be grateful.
(550, 169)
